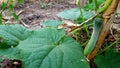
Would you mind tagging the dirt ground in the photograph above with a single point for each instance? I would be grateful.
(34, 12)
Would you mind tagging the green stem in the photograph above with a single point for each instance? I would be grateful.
(96, 4)
(81, 25)
(90, 1)
(83, 19)
(109, 46)
(106, 5)
(78, 29)
(78, 4)
(81, 13)
(85, 43)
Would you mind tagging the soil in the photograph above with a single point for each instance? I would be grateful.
(32, 14)
(11, 63)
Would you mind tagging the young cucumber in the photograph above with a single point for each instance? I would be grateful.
(96, 30)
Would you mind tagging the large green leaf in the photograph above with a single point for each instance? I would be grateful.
(111, 59)
(50, 48)
(10, 53)
(74, 14)
(47, 48)
(52, 23)
(11, 35)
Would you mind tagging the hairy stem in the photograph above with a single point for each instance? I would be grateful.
(107, 21)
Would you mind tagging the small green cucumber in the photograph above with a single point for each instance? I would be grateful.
(92, 42)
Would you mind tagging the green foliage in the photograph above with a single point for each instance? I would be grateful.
(111, 59)
(91, 4)
(11, 35)
(20, 1)
(3, 6)
(74, 14)
(52, 23)
(1, 59)
(9, 5)
(15, 16)
(41, 48)
(45, 5)
(0, 19)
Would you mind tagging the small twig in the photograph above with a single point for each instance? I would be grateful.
(80, 25)
(111, 31)
(21, 20)
(21, 11)
(23, 23)
(6, 19)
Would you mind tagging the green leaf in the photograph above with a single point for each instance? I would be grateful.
(21, 1)
(1, 59)
(15, 16)
(100, 2)
(52, 23)
(10, 53)
(91, 5)
(0, 18)
(3, 6)
(111, 59)
(74, 13)
(11, 6)
(71, 14)
(11, 35)
(47, 48)
(43, 5)
(50, 48)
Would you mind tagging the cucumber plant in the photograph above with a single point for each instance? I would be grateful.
(41, 48)
(52, 48)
